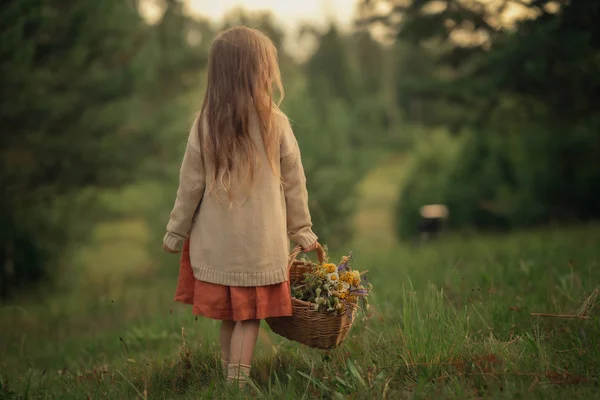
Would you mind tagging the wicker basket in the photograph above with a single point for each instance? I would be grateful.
(307, 326)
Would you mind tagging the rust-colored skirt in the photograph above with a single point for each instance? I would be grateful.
(234, 303)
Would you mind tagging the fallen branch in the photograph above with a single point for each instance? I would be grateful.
(560, 316)
(508, 344)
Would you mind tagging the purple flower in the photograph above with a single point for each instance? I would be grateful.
(344, 263)
(357, 291)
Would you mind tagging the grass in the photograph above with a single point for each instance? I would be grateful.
(448, 320)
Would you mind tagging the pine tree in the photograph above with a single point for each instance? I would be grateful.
(71, 72)
(329, 68)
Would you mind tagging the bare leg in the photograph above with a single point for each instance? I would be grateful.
(225, 336)
(243, 342)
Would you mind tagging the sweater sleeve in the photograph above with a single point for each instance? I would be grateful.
(189, 194)
(299, 222)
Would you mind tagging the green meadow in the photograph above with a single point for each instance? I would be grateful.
(448, 319)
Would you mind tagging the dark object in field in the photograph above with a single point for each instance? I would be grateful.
(588, 305)
(430, 227)
(432, 218)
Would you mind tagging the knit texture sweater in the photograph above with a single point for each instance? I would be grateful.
(242, 240)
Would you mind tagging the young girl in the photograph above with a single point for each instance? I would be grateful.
(242, 196)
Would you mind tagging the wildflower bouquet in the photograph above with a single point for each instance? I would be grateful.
(333, 288)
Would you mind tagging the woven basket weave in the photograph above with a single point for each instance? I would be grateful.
(312, 328)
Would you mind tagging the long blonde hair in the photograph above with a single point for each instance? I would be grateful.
(242, 71)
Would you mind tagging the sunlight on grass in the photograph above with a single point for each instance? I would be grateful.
(378, 192)
(118, 250)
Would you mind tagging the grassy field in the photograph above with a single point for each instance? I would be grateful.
(448, 320)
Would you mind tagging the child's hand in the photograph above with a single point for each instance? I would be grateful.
(311, 247)
(169, 250)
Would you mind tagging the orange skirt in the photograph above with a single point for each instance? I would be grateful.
(233, 303)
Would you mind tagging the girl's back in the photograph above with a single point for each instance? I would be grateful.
(240, 236)
(241, 176)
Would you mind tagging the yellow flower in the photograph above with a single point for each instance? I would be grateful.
(330, 268)
(346, 277)
(354, 278)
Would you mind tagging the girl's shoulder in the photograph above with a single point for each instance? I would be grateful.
(194, 134)
(282, 123)
(279, 116)
(289, 144)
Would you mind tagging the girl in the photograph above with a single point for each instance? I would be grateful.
(242, 193)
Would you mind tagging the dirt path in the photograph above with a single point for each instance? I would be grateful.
(375, 218)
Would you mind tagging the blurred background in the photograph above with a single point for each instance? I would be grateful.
(490, 109)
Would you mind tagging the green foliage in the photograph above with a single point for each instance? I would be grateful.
(65, 109)
(331, 166)
(369, 57)
(329, 69)
(527, 103)
(339, 116)
(501, 180)
(82, 83)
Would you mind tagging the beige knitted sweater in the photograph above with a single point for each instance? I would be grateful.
(244, 242)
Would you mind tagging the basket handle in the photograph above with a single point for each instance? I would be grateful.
(298, 249)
